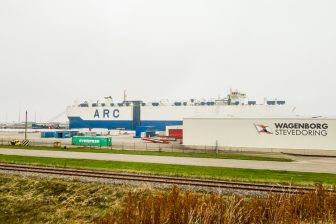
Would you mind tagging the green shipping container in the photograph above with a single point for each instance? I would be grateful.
(91, 141)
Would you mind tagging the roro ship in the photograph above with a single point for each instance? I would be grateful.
(129, 114)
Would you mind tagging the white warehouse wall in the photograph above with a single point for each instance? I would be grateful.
(253, 133)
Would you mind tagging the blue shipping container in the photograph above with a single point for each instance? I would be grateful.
(65, 134)
(47, 134)
(140, 129)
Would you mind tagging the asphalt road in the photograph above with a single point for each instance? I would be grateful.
(302, 164)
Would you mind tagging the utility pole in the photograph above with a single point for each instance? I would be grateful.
(216, 147)
(26, 124)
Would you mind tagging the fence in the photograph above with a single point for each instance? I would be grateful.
(120, 145)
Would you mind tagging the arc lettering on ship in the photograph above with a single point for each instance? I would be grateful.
(106, 113)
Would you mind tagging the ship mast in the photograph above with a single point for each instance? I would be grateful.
(125, 95)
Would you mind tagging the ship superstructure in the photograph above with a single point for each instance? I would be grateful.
(129, 114)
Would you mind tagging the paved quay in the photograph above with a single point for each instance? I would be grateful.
(309, 164)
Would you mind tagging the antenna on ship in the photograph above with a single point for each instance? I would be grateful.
(125, 95)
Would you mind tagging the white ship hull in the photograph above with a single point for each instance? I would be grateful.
(128, 117)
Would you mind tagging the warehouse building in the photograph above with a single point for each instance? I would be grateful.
(303, 134)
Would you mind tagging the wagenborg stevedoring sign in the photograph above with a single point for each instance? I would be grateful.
(294, 129)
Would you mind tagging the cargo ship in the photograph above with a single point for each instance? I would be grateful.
(129, 114)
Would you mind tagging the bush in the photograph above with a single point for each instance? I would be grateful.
(177, 206)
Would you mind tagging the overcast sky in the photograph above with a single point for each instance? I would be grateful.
(55, 52)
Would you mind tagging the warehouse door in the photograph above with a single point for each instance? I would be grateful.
(136, 114)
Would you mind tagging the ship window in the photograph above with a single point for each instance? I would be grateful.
(94, 105)
(103, 104)
(83, 105)
(143, 104)
(155, 104)
(112, 104)
(120, 104)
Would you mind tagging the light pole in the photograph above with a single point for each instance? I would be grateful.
(26, 125)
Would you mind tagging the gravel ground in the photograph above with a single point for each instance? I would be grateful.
(132, 183)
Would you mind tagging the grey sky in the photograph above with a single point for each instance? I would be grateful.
(54, 52)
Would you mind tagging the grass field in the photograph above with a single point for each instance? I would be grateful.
(224, 155)
(26, 200)
(181, 170)
(39, 200)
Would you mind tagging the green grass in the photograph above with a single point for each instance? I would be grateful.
(37, 200)
(181, 170)
(221, 155)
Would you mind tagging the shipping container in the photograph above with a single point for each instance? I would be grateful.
(47, 134)
(62, 134)
(143, 129)
(91, 141)
(177, 133)
(150, 134)
(65, 134)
